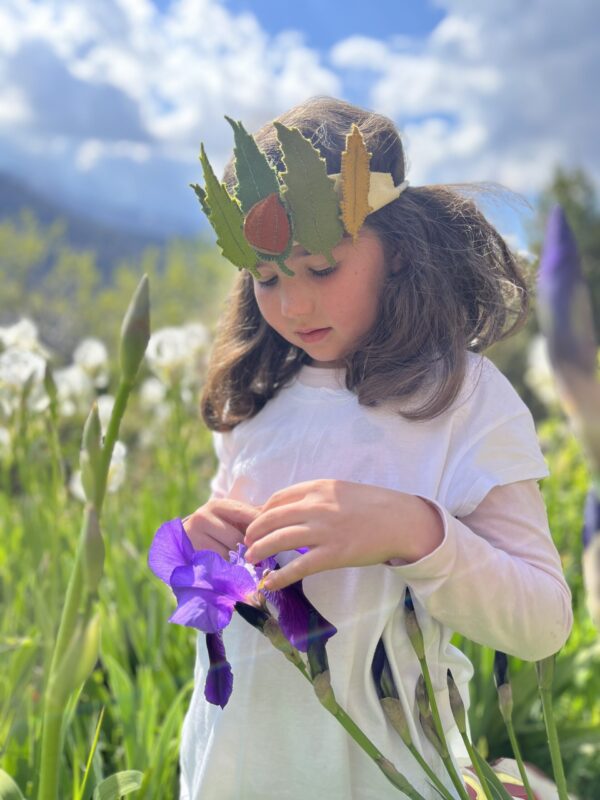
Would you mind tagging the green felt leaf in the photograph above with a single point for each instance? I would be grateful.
(256, 177)
(201, 195)
(225, 215)
(310, 194)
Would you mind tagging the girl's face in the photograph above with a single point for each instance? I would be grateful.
(324, 310)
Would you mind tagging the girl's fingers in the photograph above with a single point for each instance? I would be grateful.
(296, 570)
(269, 521)
(201, 530)
(235, 512)
(281, 539)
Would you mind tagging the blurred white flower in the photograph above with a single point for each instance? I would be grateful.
(92, 356)
(75, 390)
(105, 406)
(175, 355)
(538, 375)
(23, 335)
(5, 442)
(115, 478)
(18, 368)
(152, 393)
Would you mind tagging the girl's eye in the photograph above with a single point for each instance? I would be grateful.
(323, 273)
(271, 282)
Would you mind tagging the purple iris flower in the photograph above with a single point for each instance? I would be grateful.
(208, 590)
(563, 298)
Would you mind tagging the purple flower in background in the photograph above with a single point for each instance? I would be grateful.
(563, 299)
(208, 590)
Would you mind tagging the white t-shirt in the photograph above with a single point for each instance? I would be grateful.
(497, 580)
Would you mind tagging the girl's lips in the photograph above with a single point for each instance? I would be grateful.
(313, 336)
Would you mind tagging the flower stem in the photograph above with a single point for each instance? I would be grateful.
(475, 764)
(122, 396)
(447, 759)
(389, 770)
(430, 773)
(553, 744)
(519, 759)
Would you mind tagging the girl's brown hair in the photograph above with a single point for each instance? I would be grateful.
(452, 285)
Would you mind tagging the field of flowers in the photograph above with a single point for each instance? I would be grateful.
(126, 708)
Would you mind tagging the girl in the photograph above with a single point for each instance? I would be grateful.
(355, 419)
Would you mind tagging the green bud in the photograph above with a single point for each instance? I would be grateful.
(90, 456)
(78, 661)
(456, 704)
(135, 331)
(93, 550)
(505, 701)
(394, 711)
(412, 626)
(426, 718)
(324, 692)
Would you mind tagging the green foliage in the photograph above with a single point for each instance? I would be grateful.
(62, 289)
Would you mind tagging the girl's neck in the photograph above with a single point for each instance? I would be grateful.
(326, 364)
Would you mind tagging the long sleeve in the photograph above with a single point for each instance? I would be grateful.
(496, 577)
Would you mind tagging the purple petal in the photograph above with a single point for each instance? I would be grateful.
(563, 298)
(202, 609)
(219, 680)
(591, 518)
(207, 591)
(294, 616)
(170, 548)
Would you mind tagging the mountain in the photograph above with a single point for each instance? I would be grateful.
(110, 244)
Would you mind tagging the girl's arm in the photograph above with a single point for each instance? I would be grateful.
(494, 576)
(497, 577)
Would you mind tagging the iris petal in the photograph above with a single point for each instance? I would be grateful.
(295, 610)
(219, 680)
(170, 548)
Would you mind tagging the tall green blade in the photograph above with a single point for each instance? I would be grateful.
(227, 220)
(256, 177)
(310, 194)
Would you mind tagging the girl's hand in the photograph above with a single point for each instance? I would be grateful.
(219, 525)
(344, 524)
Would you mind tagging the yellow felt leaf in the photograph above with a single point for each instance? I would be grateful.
(355, 182)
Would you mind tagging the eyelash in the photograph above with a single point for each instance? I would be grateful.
(322, 273)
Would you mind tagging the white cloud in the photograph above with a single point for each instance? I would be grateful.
(498, 91)
(113, 98)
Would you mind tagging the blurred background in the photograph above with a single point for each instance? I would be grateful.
(103, 106)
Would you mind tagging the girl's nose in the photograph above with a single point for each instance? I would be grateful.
(296, 298)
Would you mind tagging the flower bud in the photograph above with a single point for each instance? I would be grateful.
(394, 711)
(412, 626)
(78, 661)
(135, 331)
(456, 704)
(90, 456)
(426, 718)
(324, 692)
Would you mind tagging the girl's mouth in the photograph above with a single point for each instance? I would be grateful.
(314, 335)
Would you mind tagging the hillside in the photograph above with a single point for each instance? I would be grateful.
(109, 243)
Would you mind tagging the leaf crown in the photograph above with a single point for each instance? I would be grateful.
(271, 210)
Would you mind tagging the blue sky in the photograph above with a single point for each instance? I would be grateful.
(103, 104)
